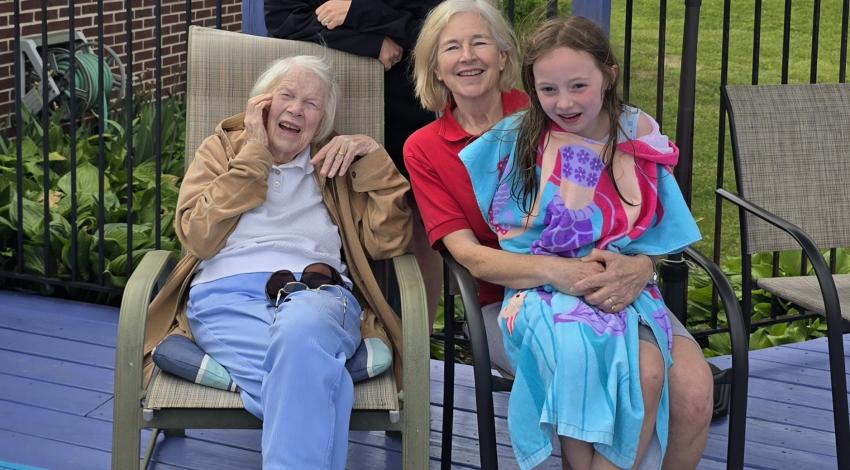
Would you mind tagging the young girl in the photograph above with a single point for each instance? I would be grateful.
(577, 173)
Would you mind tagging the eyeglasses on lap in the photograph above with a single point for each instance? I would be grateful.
(316, 276)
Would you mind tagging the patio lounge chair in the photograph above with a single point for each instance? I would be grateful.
(460, 281)
(791, 149)
(222, 67)
(486, 383)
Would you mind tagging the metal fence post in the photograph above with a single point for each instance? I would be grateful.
(675, 277)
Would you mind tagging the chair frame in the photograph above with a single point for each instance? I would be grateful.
(130, 415)
(486, 384)
(832, 306)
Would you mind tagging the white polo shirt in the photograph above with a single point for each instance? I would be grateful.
(290, 230)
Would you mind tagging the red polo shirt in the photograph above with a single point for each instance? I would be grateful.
(442, 186)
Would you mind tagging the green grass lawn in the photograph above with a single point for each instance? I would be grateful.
(644, 63)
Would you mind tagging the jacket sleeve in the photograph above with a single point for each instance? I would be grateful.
(378, 17)
(386, 226)
(296, 20)
(215, 192)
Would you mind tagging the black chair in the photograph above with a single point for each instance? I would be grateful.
(458, 280)
(791, 152)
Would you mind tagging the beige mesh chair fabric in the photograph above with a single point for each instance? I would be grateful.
(805, 291)
(168, 391)
(792, 158)
(213, 95)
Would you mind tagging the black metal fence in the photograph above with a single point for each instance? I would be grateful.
(669, 77)
(62, 83)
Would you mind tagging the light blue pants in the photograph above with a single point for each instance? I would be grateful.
(289, 363)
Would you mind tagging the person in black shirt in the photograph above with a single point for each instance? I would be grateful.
(383, 29)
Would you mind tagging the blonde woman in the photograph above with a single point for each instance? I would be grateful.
(466, 65)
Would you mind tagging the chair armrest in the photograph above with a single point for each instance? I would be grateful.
(143, 284)
(735, 317)
(740, 361)
(827, 285)
(415, 350)
(468, 289)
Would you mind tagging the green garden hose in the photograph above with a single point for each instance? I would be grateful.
(85, 81)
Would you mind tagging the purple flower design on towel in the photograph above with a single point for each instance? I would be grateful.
(580, 165)
(566, 232)
(601, 322)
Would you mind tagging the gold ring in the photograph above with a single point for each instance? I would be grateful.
(340, 154)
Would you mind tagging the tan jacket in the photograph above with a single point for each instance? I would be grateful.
(228, 178)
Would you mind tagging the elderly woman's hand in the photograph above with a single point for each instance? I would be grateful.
(620, 284)
(255, 118)
(338, 154)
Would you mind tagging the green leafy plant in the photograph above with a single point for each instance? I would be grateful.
(91, 209)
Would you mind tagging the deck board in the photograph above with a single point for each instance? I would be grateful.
(56, 361)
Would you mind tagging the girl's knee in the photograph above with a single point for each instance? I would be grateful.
(651, 372)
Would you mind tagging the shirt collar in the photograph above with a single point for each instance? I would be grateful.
(301, 161)
(450, 129)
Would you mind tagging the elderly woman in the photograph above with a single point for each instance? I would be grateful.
(261, 198)
(465, 66)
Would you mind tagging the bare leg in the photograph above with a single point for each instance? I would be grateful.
(691, 403)
(430, 263)
(651, 384)
(601, 463)
(575, 454)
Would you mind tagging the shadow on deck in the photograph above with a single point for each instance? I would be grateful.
(56, 376)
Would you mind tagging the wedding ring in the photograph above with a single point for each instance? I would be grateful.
(611, 303)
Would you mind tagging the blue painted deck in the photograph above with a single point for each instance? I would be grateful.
(56, 369)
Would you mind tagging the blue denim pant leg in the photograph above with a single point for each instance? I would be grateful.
(307, 392)
(289, 363)
(230, 320)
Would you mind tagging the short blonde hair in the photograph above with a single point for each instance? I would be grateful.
(431, 92)
(275, 72)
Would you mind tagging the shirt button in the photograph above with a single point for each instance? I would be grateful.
(276, 171)
(277, 184)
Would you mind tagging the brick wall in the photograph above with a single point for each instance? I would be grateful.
(173, 37)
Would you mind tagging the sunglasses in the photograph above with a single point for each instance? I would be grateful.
(317, 276)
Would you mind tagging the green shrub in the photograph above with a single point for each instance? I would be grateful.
(115, 189)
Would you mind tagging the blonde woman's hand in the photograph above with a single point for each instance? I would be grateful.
(255, 118)
(565, 274)
(340, 152)
(333, 12)
(620, 284)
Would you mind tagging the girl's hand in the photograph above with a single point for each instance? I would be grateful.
(255, 118)
(333, 12)
(620, 284)
(338, 154)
